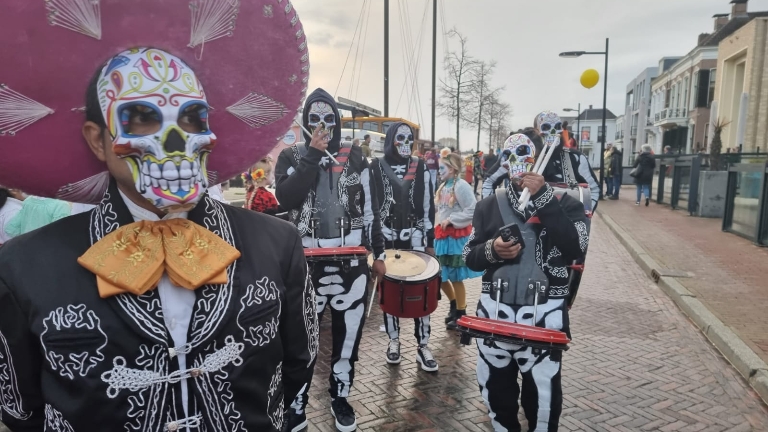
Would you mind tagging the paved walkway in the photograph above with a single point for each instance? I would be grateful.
(636, 364)
(728, 272)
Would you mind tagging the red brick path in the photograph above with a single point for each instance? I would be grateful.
(729, 272)
(636, 364)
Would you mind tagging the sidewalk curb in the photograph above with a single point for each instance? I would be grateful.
(738, 353)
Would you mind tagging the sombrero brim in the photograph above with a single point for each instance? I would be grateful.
(49, 66)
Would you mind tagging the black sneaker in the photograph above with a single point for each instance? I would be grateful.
(393, 352)
(613, 197)
(344, 415)
(647, 201)
(294, 422)
(426, 359)
(452, 325)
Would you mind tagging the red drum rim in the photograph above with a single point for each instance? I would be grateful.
(434, 269)
(521, 331)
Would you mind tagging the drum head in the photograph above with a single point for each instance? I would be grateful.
(402, 264)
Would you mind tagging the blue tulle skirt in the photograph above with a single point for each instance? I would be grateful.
(448, 251)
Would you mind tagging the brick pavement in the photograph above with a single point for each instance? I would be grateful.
(727, 270)
(636, 364)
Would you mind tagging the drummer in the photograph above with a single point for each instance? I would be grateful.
(318, 193)
(404, 191)
(559, 238)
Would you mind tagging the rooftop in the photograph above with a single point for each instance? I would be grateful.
(596, 114)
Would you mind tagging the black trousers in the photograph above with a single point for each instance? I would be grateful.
(345, 292)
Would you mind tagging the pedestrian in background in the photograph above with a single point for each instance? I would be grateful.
(432, 160)
(454, 208)
(11, 201)
(37, 212)
(366, 146)
(644, 167)
(607, 173)
(616, 171)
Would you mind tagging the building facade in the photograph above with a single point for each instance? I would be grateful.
(637, 113)
(682, 94)
(619, 135)
(741, 90)
(591, 132)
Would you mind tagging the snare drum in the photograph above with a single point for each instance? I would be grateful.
(336, 254)
(411, 287)
(514, 333)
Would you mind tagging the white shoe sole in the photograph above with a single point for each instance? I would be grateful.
(424, 367)
(300, 427)
(393, 362)
(342, 428)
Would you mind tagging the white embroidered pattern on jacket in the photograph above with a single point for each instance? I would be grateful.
(388, 196)
(489, 252)
(147, 405)
(10, 396)
(311, 324)
(55, 422)
(581, 228)
(345, 181)
(121, 377)
(465, 251)
(276, 415)
(560, 272)
(66, 326)
(216, 388)
(544, 199)
(264, 291)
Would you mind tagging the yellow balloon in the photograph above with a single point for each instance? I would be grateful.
(590, 78)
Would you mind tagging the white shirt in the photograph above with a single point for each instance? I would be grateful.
(9, 210)
(177, 302)
(216, 193)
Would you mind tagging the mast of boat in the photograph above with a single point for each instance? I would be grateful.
(386, 58)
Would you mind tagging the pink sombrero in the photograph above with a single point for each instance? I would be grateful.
(251, 56)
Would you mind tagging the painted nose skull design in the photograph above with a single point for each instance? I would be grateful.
(404, 140)
(520, 155)
(157, 114)
(321, 112)
(549, 123)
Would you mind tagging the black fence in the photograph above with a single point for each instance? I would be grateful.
(746, 201)
(676, 180)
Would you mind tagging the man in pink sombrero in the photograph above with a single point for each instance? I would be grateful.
(161, 309)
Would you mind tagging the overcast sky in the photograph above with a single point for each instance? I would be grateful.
(524, 37)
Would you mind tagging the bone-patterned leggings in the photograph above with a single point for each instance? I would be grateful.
(421, 329)
(345, 291)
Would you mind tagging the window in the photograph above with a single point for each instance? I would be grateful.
(371, 126)
(585, 132)
(599, 133)
(667, 95)
(385, 125)
(350, 125)
(712, 77)
(694, 90)
(702, 89)
(684, 103)
(706, 138)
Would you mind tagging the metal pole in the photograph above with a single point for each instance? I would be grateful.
(602, 140)
(578, 126)
(434, 65)
(386, 58)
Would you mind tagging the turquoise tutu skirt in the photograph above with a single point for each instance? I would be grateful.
(448, 251)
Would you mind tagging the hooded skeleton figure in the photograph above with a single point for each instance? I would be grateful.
(558, 238)
(404, 189)
(332, 205)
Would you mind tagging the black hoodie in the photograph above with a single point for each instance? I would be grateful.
(420, 197)
(300, 171)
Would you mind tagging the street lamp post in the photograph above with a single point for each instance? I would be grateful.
(578, 121)
(573, 54)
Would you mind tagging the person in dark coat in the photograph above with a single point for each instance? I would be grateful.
(616, 172)
(645, 165)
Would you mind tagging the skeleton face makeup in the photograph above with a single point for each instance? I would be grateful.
(444, 172)
(521, 155)
(404, 140)
(549, 123)
(157, 115)
(321, 112)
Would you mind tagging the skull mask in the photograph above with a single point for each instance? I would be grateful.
(404, 140)
(519, 155)
(157, 114)
(549, 124)
(321, 112)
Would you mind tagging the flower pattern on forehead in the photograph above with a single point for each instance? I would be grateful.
(549, 123)
(519, 155)
(150, 86)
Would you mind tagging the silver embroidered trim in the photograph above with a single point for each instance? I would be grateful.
(54, 421)
(86, 323)
(10, 395)
(545, 198)
(264, 290)
(581, 227)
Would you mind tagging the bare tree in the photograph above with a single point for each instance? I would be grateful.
(454, 89)
(496, 120)
(480, 94)
(447, 142)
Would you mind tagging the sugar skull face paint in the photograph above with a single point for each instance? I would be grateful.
(321, 112)
(404, 140)
(444, 172)
(549, 123)
(520, 154)
(157, 115)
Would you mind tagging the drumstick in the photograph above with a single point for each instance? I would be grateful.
(370, 305)
(526, 195)
(308, 133)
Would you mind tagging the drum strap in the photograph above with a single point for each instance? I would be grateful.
(570, 177)
(504, 208)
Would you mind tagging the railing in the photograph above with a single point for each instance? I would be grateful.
(746, 201)
(683, 171)
(670, 113)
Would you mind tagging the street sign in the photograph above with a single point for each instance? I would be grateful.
(359, 106)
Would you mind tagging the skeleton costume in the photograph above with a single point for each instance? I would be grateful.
(404, 191)
(128, 319)
(551, 244)
(318, 195)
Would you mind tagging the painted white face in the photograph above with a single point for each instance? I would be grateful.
(549, 123)
(521, 155)
(444, 172)
(321, 112)
(404, 140)
(157, 115)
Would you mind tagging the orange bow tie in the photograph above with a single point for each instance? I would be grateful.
(134, 257)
